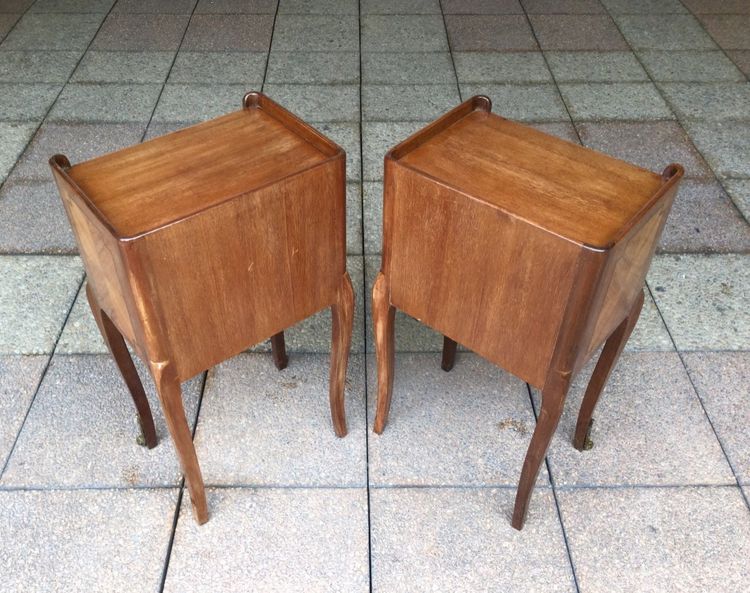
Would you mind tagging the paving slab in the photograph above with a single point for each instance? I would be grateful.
(714, 7)
(460, 539)
(690, 66)
(372, 206)
(224, 32)
(614, 101)
(650, 333)
(315, 102)
(501, 67)
(378, 138)
(562, 6)
(400, 6)
(273, 540)
(648, 7)
(37, 66)
(739, 191)
(318, 7)
(124, 66)
(35, 297)
(15, 138)
(141, 32)
(653, 31)
(741, 57)
(100, 102)
(192, 103)
(703, 299)
(729, 31)
(82, 427)
(407, 102)
(74, 6)
(408, 68)
(346, 135)
(408, 33)
(53, 31)
(7, 21)
(721, 379)
(354, 218)
(657, 539)
(527, 103)
(709, 101)
(724, 146)
(648, 399)
(481, 7)
(490, 33)
(313, 67)
(592, 32)
(219, 68)
(305, 33)
(561, 129)
(236, 6)
(595, 66)
(26, 101)
(155, 6)
(80, 335)
(85, 540)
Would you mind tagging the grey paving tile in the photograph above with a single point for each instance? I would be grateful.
(404, 33)
(372, 201)
(407, 102)
(562, 6)
(704, 220)
(721, 379)
(501, 67)
(294, 32)
(399, 6)
(729, 31)
(651, 145)
(124, 66)
(318, 7)
(219, 68)
(6, 23)
(15, 138)
(26, 102)
(434, 437)
(709, 101)
(192, 103)
(739, 191)
(688, 539)
(462, 539)
(97, 102)
(222, 32)
(561, 129)
(354, 218)
(490, 33)
(141, 32)
(537, 102)
(21, 375)
(17, 6)
(259, 426)
(614, 101)
(742, 59)
(724, 145)
(593, 32)
(294, 540)
(53, 32)
(35, 296)
(236, 6)
(648, 399)
(703, 299)
(690, 66)
(644, 6)
(80, 334)
(377, 139)
(481, 7)
(595, 66)
(156, 128)
(346, 135)
(313, 67)
(37, 66)
(408, 68)
(79, 142)
(74, 6)
(81, 430)
(32, 220)
(155, 6)
(650, 333)
(318, 102)
(714, 7)
(125, 535)
(655, 32)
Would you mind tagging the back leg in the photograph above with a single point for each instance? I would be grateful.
(449, 354)
(278, 351)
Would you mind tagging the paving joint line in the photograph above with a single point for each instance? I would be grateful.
(450, 51)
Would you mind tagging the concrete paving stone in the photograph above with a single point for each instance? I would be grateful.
(650, 333)
(739, 191)
(593, 32)
(26, 102)
(501, 67)
(15, 138)
(595, 66)
(709, 101)
(85, 540)
(37, 66)
(408, 68)
(32, 219)
(318, 102)
(644, 6)
(652, 31)
(481, 7)
(690, 66)
(192, 103)
(156, 129)
(742, 59)
(124, 66)
(105, 102)
(468, 427)
(721, 379)
(657, 539)
(703, 299)
(155, 6)
(35, 297)
(614, 101)
(306, 33)
(74, 6)
(273, 540)
(462, 539)
(224, 32)
(490, 33)
(80, 335)
(346, 135)
(651, 145)
(714, 7)
(236, 7)
(729, 31)
(79, 142)
(313, 67)
(141, 32)
(704, 220)
(377, 139)
(562, 6)
(372, 205)
(6, 23)
(53, 32)
(354, 218)
(403, 33)
(561, 129)
(399, 6)
(219, 68)
(21, 376)
(15, 6)
(536, 102)
(725, 146)
(259, 426)
(82, 427)
(648, 399)
(407, 102)
(327, 7)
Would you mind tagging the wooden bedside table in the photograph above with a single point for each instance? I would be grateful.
(529, 250)
(206, 241)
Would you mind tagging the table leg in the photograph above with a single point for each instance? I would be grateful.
(449, 354)
(342, 318)
(119, 351)
(383, 315)
(278, 351)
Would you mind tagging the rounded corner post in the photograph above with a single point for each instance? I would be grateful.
(59, 161)
(672, 171)
(482, 103)
(251, 99)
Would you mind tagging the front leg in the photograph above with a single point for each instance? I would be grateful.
(383, 316)
(342, 319)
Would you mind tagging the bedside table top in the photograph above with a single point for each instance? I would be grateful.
(150, 185)
(571, 191)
